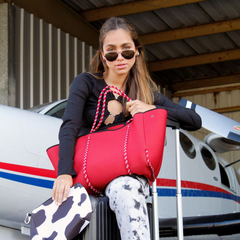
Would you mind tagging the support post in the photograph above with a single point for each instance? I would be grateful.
(179, 193)
(155, 211)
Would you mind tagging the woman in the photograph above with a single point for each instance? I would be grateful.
(119, 62)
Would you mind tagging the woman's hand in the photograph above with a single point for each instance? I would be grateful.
(61, 188)
(137, 106)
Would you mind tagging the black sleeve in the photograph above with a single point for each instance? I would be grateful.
(188, 118)
(71, 125)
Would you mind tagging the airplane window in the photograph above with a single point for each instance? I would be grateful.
(58, 110)
(208, 158)
(224, 176)
(187, 146)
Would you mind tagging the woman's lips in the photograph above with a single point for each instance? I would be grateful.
(121, 66)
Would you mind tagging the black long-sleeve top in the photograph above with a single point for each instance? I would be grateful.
(80, 113)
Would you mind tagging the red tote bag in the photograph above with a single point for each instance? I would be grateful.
(135, 147)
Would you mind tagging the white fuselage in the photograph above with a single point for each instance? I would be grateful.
(27, 175)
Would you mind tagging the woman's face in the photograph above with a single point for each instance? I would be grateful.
(118, 41)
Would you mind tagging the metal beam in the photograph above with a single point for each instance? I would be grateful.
(61, 16)
(206, 90)
(189, 32)
(227, 109)
(132, 7)
(205, 82)
(194, 60)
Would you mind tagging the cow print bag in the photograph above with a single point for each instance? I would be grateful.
(52, 222)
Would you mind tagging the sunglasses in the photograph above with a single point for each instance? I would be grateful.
(112, 56)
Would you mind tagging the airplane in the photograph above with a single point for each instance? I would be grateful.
(210, 185)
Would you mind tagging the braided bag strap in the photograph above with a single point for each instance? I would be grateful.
(103, 94)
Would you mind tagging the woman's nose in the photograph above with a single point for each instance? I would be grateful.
(120, 57)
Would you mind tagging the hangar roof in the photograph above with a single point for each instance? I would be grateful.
(191, 45)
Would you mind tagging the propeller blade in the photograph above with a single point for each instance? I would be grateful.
(215, 122)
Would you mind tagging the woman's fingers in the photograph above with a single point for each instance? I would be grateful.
(137, 106)
(61, 188)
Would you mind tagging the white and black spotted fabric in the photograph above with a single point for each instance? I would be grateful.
(127, 198)
(52, 222)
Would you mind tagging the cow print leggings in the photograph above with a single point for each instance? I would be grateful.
(127, 198)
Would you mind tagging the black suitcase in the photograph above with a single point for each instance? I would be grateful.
(103, 224)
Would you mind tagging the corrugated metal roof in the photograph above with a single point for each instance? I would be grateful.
(177, 17)
(184, 16)
(221, 10)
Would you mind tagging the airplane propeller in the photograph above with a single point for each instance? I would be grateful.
(215, 122)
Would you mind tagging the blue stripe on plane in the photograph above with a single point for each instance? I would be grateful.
(27, 180)
(169, 192)
(162, 192)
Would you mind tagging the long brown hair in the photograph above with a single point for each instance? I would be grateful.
(139, 84)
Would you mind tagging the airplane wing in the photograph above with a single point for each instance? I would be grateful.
(215, 122)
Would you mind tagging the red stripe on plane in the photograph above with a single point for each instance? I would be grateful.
(28, 170)
(163, 182)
